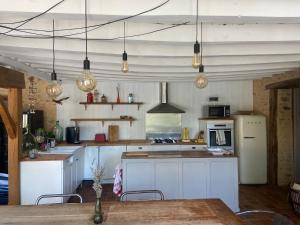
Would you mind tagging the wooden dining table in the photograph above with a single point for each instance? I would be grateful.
(171, 212)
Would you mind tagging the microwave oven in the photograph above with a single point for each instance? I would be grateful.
(218, 110)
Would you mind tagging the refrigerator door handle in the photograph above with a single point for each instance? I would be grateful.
(249, 137)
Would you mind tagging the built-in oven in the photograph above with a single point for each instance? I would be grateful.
(220, 134)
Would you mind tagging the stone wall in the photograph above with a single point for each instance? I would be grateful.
(284, 119)
(43, 102)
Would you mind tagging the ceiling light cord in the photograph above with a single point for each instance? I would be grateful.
(53, 52)
(124, 37)
(201, 47)
(197, 16)
(85, 17)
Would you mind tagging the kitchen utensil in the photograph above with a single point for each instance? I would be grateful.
(73, 135)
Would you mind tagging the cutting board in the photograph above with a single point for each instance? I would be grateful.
(113, 133)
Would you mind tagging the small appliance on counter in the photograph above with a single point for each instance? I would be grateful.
(100, 138)
(217, 110)
(186, 135)
(73, 135)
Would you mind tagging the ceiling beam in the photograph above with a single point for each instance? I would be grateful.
(11, 79)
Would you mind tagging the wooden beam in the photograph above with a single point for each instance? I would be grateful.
(14, 146)
(272, 138)
(284, 84)
(7, 120)
(11, 78)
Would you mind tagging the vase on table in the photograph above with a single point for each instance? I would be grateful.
(98, 218)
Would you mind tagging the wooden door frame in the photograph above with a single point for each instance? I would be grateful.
(272, 136)
(12, 117)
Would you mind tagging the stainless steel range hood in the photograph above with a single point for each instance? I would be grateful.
(164, 106)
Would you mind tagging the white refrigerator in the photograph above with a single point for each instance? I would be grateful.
(251, 148)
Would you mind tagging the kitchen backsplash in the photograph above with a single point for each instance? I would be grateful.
(238, 94)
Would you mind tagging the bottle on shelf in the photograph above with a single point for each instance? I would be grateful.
(58, 132)
(89, 97)
(96, 95)
(103, 99)
(130, 98)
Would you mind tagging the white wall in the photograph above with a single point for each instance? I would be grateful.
(238, 94)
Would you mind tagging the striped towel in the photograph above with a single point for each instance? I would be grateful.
(118, 180)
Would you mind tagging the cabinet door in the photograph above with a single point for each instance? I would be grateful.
(67, 177)
(138, 175)
(223, 181)
(167, 178)
(110, 157)
(194, 178)
(91, 157)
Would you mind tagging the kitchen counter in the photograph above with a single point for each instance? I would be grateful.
(48, 157)
(172, 154)
(183, 212)
(123, 142)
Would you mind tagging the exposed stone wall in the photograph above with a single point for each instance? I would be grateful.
(43, 102)
(284, 119)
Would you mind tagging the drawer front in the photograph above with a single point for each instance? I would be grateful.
(193, 147)
(166, 148)
(136, 148)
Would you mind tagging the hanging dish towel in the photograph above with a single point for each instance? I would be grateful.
(220, 137)
(118, 180)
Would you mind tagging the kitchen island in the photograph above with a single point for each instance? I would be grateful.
(180, 212)
(182, 175)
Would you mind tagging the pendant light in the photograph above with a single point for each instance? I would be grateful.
(196, 61)
(124, 56)
(86, 82)
(54, 89)
(201, 80)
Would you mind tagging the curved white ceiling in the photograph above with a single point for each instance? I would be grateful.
(242, 39)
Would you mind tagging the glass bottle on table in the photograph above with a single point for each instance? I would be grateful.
(58, 132)
(29, 142)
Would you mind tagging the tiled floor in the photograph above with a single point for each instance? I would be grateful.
(251, 197)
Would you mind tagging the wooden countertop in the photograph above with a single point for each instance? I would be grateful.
(174, 212)
(48, 157)
(123, 142)
(172, 154)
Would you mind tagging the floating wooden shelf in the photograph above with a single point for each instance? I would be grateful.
(103, 120)
(111, 103)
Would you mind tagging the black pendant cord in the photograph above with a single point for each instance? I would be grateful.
(53, 52)
(201, 47)
(85, 29)
(197, 20)
(124, 37)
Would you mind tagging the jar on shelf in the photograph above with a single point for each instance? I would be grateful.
(96, 95)
(58, 132)
(89, 97)
(130, 98)
(103, 99)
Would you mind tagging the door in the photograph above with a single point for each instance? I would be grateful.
(194, 178)
(167, 178)
(253, 151)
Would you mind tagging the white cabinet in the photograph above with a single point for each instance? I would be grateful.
(50, 177)
(223, 181)
(184, 178)
(110, 157)
(194, 178)
(167, 178)
(166, 148)
(91, 157)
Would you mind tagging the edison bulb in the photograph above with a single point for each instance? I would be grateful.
(125, 66)
(54, 89)
(201, 81)
(86, 82)
(196, 61)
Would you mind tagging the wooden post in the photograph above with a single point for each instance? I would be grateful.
(14, 146)
(272, 138)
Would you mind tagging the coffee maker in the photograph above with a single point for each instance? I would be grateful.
(73, 135)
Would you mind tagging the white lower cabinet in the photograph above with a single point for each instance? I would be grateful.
(50, 177)
(184, 178)
(91, 158)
